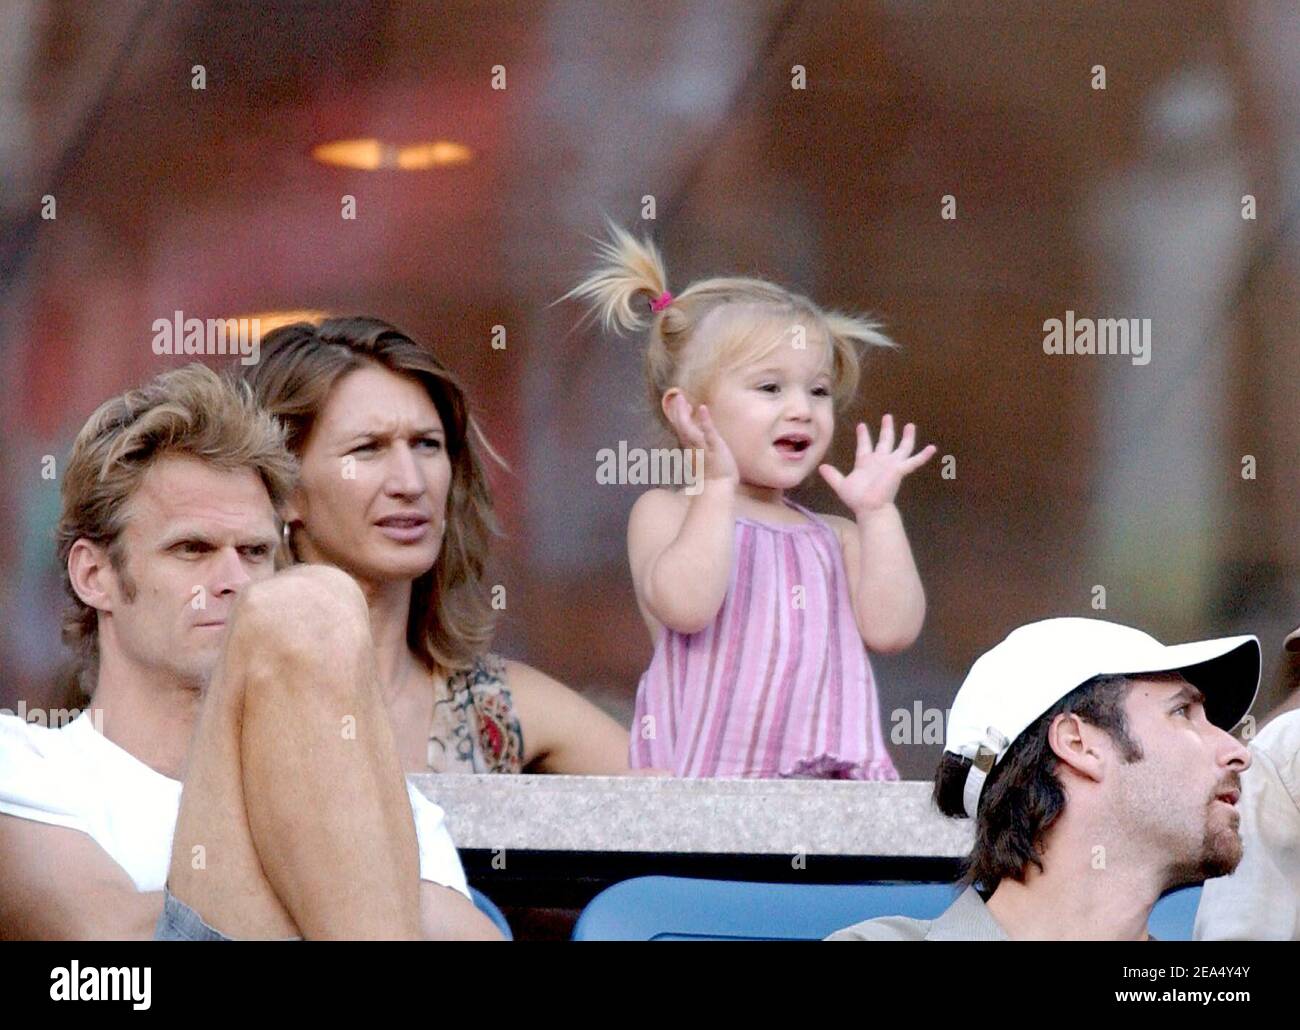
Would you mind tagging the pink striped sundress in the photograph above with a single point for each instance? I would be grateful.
(780, 684)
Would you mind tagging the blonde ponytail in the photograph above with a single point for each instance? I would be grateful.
(629, 269)
(854, 331)
(753, 317)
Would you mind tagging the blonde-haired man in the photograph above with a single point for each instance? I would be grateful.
(203, 664)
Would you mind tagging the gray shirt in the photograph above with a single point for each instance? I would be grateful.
(967, 919)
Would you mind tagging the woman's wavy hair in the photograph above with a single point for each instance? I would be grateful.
(451, 619)
(713, 324)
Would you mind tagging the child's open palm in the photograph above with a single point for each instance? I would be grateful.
(696, 429)
(877, 471)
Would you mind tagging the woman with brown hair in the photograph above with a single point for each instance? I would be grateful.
(392, 490)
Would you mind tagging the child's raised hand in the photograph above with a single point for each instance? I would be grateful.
(696, 429)
(877, 471)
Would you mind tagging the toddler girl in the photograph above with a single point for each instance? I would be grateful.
(761, 612)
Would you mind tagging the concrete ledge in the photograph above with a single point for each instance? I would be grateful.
(666, 815)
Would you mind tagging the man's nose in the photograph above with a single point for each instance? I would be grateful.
(230, 575)
(1232, 752)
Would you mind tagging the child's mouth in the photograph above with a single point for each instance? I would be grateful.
(793, 446)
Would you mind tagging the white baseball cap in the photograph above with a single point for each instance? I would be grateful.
(1014, 683)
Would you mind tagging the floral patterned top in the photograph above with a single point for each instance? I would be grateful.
(475, 728)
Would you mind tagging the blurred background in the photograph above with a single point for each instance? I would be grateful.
(1173, 193)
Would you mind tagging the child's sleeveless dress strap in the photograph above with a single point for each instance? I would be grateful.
(780, 683)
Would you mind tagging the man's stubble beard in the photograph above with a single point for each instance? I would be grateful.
(1216, 853)
(1220, 853)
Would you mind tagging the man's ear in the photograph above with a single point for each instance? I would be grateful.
(1075, 744)
(93, 578)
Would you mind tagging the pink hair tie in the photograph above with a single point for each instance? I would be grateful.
(661, 302)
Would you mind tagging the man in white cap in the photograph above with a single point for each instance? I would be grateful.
(1261, 899)
(1099, 770)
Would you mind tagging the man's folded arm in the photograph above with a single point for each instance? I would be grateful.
(56, 883)
(447, 915)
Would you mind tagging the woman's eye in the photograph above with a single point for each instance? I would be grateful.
(363, 448)
(430, 443)
(257, 552)
(1182, 710)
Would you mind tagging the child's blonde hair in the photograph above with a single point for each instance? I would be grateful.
(714, 324)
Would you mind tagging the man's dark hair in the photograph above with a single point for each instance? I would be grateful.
(1023, 797)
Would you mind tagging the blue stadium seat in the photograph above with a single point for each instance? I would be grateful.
(671, 908)
(485, 905)
(1174, 915)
